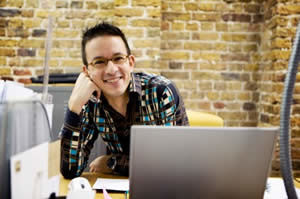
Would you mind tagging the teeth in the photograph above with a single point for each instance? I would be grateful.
(113, 80)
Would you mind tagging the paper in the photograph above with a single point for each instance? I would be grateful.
(276, 190)
(24, 116)
(112, 184)
(15, 91)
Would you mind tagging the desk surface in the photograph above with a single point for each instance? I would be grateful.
(297, 184)
(92, 177)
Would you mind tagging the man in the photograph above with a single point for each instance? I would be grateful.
(108, 97)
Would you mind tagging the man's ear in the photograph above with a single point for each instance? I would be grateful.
(131, 59)
(84, 69)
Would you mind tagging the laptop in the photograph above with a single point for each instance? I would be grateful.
(200, 162)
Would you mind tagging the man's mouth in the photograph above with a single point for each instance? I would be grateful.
(112, 80)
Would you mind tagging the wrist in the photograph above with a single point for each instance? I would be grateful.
(74, 108)
(72, 118)
(111, 163)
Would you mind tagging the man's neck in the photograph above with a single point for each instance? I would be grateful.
(119, 103)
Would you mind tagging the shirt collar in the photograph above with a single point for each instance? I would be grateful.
(135, 84)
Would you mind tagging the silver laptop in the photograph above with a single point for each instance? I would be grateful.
(200, 162)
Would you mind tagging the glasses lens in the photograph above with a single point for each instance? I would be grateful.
(101, 62)
(119, 59)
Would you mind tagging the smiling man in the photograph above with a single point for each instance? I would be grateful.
(108, 97)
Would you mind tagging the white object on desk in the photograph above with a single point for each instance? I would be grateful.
(29, 173)
(52, 185)
(80, 188)
(276, 190)
(79, 183)
(112, 184)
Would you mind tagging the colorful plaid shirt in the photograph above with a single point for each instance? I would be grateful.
(153, 100)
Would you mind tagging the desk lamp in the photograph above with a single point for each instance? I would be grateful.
(285, 154)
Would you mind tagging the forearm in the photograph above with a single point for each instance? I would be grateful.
(69, 153)
(74, 146)
(67, 168)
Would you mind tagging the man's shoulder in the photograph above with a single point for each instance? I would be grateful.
(153, 80)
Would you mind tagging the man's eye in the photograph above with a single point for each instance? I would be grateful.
(119, 58)
(99, 62)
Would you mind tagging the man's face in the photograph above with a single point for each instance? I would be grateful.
(112, 79)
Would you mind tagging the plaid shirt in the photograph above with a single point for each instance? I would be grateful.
(153, 100)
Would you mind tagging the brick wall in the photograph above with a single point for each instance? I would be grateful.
(227, 57)
(281, 19)
(210, 48)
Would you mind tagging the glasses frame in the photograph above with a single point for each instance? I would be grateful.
(107, 60)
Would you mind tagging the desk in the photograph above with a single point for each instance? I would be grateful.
(92, 177)
(54, 159)
(297, 184)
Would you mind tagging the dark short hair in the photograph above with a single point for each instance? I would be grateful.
(101, 29)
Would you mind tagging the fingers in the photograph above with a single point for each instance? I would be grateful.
(99, 165)
(92, 167)
(86, 74)
(90, 78)
(85, 86)
(97, 89)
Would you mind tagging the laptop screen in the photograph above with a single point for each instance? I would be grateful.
(200, 162)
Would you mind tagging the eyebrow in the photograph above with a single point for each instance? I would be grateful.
(101, 57)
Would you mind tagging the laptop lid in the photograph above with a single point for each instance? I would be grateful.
(200, 162)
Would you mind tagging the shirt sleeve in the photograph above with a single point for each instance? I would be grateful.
(171, 106)
(77, 140)
(119, 163)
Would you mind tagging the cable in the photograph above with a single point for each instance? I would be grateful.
(285, 153)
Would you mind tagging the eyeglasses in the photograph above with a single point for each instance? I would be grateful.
(101, 62)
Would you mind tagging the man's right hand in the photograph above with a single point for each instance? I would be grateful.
(99, 165)
(82, 91)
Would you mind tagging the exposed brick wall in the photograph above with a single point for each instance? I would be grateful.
(228, 57)
(23, 29)
(281, 19)
(140, 20)
(210, 48)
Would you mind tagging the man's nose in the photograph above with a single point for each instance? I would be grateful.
(111, 67)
